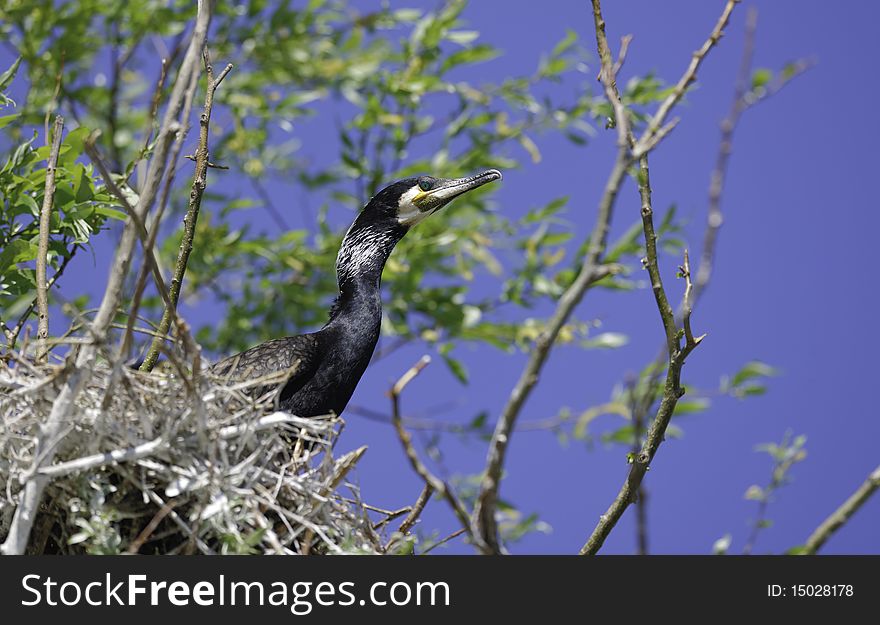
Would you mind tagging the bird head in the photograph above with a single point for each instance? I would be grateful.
(411, 200)
(390, 214)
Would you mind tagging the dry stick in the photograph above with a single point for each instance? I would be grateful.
(148, 530)
(83, 367)
(430, 479)
(43, 247)
(839, 517)
(192, 214)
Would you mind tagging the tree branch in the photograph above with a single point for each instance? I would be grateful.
(200, 181)
(650, 137)
(43, 246)
(744, 98)
(432, 481)
(414, 513)
(13, 333)
(141, 282)
(844, 513)
(640, 462)
(589, 274)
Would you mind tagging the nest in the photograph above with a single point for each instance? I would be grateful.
(172, 463)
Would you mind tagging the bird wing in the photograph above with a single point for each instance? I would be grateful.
(297, 355)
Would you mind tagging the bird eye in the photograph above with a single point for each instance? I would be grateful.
(425, 184)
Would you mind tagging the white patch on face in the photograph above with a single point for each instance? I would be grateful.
(359, 250)
(408, 214)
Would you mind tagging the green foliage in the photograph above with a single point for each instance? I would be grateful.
(82, 207)
(748, 381)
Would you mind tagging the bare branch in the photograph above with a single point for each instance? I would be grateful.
(443, 541)
(141, 282)
(744, 98)
(844, 513)
(418, 466)
(589, 274)
(414, 513)
(200, 181)
(672, 391)
(43, 246)
(689, 76)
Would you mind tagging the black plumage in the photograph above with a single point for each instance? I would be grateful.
(326, 365)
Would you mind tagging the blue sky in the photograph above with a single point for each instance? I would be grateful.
(792, 287)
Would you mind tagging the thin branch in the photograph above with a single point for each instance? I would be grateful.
(638, 412)
(844, 513)
(83, 367)
(640, 463)
(12, 333)
(141, 282)
(644, 144)
(92, 150)
(443, 541)
(589, 274)
(417, 509)
(744, 98)
(414, 513)
(434, 482)
(43, 246)
(677, 354)
(200, 181)
(53, 103)
(269, 205)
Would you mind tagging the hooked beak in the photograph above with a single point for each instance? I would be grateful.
(449, 189)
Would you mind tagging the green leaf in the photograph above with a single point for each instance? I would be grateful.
(112, 213)
(25, 199)
(567, 42)
(462, 37)
(607, 340)
(690, 406)
(18, 250)
(21, 152)
(722, 545)
(7, 76)
(457, 369)
(760, 78)
(751, 370)
(8, 119)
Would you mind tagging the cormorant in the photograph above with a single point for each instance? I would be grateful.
(328, 364)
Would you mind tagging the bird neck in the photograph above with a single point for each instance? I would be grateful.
(362, 257)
